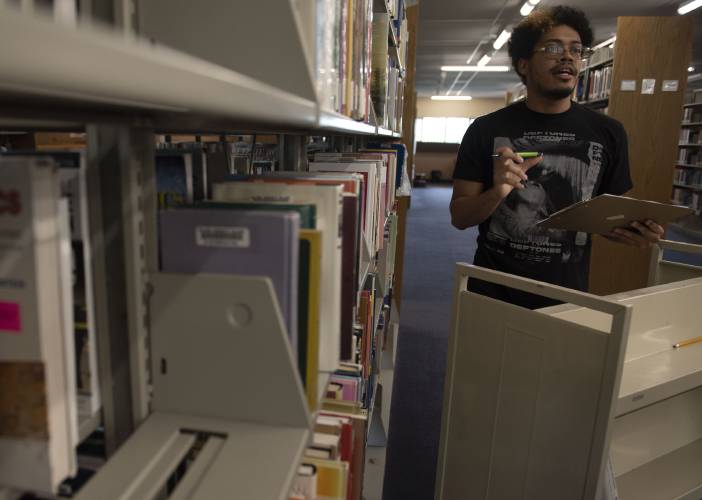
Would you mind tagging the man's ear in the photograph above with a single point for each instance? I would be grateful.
(522, 68)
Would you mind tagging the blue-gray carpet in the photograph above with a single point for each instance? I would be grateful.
(432, 248)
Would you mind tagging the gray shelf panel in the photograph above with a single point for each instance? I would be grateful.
(675, 476)
(92, 70)
(336, 122)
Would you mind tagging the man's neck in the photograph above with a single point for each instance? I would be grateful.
(547, 105)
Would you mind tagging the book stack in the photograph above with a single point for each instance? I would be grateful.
(692, 115)
(332, 467)
(343, 46)
(690, 136)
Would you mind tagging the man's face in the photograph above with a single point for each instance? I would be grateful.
(548, 73)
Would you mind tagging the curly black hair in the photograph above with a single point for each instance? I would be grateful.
(527, 33)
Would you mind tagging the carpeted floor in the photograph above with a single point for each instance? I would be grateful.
(433, 247)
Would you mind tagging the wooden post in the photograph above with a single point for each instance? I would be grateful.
(653, 48)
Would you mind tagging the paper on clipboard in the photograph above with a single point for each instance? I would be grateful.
(602, 214)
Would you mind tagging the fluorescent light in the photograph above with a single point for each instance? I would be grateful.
(689, 6)
(451, 98)
(501, 40)
(484, 60)
(492, 69)
(526, 9)
(533, 2)
(695, 77)
(690, 69)
(609, 41)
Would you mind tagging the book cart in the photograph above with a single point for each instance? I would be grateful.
(536, 401)
(188, 362)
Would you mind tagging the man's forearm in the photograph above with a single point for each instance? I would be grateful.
(467, 211)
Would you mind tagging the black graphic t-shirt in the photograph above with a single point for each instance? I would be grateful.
(585, 154)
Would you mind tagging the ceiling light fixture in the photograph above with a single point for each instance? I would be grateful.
(689, 7)
(501, 39)
(484, 60)
(492, 69)
(526, 9)
(609, 41)
(451, 98)
(690, 69)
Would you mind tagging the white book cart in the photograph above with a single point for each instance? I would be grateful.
(535, 401)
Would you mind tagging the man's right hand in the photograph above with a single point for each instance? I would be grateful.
(509, 170)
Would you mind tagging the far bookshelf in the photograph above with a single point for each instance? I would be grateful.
(687, 181)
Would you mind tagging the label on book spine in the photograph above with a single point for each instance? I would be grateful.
(10, 317)
(223, 236)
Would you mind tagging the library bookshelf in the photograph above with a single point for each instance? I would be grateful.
(124, 88)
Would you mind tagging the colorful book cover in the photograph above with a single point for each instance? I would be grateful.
(252, 243)
(308, 315)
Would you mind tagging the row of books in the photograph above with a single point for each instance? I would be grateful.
(690, 136)
(689, 177)
(689, 198)
(343, 47)
(601, 55)
(332, 466)
(693, 97)
(282, 225)
(692, 115)
(690, 156)
(387, 83)
(594, 84)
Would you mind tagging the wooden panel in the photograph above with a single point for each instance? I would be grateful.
(647, 47)
(23, 412)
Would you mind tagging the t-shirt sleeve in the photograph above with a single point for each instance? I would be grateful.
(471, 161)
(617, 177)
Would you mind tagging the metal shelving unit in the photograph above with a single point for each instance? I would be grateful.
(122, 89)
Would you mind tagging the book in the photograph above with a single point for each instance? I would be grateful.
(309, 287)
(332, 478)
(252, 243)
(329, 205)
(197, 156)
(36, 447)
(604, 213)
(174, 179)
(308, 213)
(71, 175)
(305, 483)
(379, 75)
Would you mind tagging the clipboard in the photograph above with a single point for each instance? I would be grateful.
(602, 214)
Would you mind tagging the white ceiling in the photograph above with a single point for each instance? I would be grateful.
(451, 30)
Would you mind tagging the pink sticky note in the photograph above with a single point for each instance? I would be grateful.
(10, 317)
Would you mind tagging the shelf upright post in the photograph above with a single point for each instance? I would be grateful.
(119, 164)
(293, 152)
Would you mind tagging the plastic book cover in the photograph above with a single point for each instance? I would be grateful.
(252, 243)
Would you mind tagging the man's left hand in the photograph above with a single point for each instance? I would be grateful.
(642, 235)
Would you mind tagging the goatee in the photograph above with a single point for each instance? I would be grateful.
(557, 94)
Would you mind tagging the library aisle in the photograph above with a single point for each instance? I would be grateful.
(432, 248)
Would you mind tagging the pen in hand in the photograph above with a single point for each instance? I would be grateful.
(523, 154)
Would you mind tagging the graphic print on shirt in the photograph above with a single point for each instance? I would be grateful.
(567, 174)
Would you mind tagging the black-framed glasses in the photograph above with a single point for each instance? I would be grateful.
(556, 50)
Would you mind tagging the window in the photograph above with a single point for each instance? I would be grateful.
(441, 129)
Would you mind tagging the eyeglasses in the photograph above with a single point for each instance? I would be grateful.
(556, 50)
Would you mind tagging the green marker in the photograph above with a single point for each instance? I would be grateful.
(523, 154)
